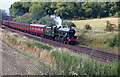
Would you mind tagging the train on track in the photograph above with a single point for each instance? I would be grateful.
(60, 34)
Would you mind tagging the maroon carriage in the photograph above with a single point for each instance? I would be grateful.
(4, 22)
(18, 25)
(37, 28)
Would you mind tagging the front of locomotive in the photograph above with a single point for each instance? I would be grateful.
(72, 39)
(69, 35)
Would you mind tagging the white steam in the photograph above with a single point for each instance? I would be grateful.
(57, 20)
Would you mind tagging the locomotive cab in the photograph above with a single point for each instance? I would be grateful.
(71, 32)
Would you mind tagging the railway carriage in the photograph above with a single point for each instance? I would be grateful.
(17, 25)
(4, 22)
(23, 26)
(37, 29)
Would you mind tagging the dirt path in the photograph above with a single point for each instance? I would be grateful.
(15, 64)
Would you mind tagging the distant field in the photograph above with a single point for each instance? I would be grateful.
(97, 37)
(96, 24)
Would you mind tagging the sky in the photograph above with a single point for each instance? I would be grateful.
(5, 4)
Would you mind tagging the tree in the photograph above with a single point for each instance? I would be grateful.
(66, 10)
(46, 20)
(17, 9)
(37, 10)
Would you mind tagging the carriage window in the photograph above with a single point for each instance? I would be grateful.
(41, 29)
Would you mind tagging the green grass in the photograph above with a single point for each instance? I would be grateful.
(41, 64)
(96, 24)
(38, 45)
(25, 54)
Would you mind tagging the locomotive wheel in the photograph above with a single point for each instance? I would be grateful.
(64, 42)
(60, 39)
(44, 36)
(56, 38)
(67, 42)
(50, 38)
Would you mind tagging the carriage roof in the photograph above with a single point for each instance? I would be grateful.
(38, 25)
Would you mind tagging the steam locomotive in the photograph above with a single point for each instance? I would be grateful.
(60, 34)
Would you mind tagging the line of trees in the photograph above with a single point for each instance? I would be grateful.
(66, 10)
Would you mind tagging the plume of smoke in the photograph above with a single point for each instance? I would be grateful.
(57, 20)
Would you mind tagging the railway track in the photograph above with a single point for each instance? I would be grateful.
(102, 55)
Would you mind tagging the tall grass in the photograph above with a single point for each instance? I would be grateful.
(65, 62)
(102, 40)
(69, 64)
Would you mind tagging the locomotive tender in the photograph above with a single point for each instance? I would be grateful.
(60, 34)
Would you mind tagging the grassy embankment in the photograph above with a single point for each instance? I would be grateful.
(97, 37)
(61, 61)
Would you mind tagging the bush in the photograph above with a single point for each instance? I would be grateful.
(87, 27)
(34, 22)
(114, 42)
(82, 38)
(109, 26)
(68, 24)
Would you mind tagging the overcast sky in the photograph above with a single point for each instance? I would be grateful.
(5, 4)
